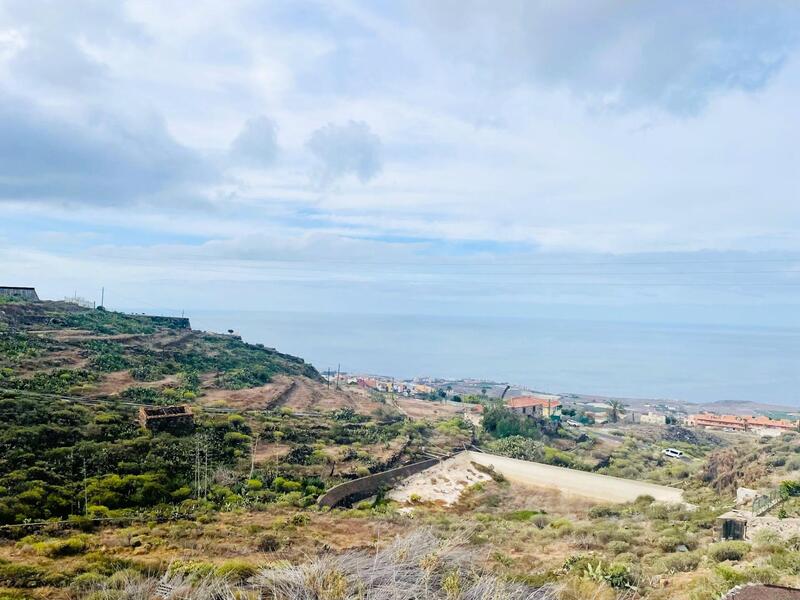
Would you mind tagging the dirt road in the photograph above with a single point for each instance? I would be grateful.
(579, 483)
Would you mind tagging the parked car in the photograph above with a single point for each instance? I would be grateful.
(672, 453)
(573, 423)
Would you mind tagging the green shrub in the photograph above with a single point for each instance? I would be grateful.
(604, 510)
(281, 484)
(733, 550)
(194, 570)
(680, 562)
(521, 515)
(617, 546)
(236, 571)
(85, 582)
(19, 575)
(270, 542)
(58, 547)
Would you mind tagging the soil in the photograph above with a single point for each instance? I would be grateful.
(442, 483)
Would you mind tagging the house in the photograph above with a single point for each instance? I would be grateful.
(26, 293)
(422, 389)
(540, 406)
(652, 418)
(741, 423)
(166, 418)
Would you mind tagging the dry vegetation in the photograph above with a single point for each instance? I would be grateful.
(255, 529)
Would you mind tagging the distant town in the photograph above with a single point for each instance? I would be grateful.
(579, 409)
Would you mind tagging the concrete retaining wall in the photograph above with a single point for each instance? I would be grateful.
(364, 487)
(578, 483)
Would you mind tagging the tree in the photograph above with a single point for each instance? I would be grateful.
(617, 409)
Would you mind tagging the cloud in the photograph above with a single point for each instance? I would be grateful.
(257, 142)
(99, 158)
(58, 39)
(619, 55)
(348, 149)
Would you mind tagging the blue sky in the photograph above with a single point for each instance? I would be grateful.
(637, 160)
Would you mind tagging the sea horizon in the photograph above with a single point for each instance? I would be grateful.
(689, 362)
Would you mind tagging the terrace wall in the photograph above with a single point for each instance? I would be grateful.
(364, 487)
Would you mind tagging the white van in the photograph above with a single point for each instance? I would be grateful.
(672, 453)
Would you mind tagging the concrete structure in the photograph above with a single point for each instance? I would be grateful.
(364, 487)
(540, 406)
(25, 293)
(578, 483)
(744, 525)
(652, 418)
(740, 423)
(166, 418)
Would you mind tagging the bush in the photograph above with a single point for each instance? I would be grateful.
(521, 515)
(269, 542)
(281, 484)
(85, 582)
(18, 575)
(734, 550)
(618, 546)
(236, 571)
(681, 562)
(604, 510)
(56, 548)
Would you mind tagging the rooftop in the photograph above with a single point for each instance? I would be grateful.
(762, 592)
(534, 400)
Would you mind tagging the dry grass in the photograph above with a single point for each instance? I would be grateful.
(419, 566)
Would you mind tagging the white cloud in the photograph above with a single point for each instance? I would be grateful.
(257, 142)
(347, 149)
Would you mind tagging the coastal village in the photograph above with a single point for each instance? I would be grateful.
(313, 443)
(574, 409)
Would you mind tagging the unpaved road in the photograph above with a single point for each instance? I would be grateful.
(578, 483)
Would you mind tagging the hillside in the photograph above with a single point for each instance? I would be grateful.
(96, 506)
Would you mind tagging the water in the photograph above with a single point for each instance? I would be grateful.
(696, 363)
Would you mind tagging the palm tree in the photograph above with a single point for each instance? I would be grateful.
(617, 409)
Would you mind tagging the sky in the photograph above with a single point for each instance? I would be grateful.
(600, 159)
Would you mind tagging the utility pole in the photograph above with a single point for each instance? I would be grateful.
(205, 484)
(253, 456)
(197, 467)
(85, 492)
(103, 296)
(338, 370)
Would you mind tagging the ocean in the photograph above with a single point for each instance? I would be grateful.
(695, 363)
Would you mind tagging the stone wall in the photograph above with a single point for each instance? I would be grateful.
(785, 528)
(20, 292)
(365, 487)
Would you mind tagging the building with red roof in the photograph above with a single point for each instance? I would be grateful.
(740, 423)
(536, 405)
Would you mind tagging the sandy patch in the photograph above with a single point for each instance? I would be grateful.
(443, 483)
(415, 408)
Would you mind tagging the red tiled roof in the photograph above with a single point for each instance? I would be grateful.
(746, 421)
(763, 592)
(527, 401)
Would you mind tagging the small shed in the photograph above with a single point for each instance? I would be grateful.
(733, 524)
(166, 418)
